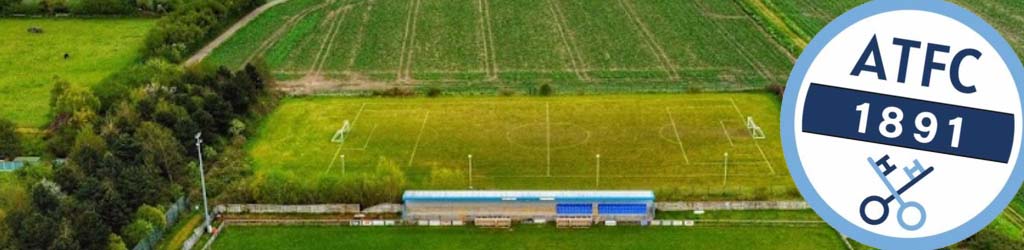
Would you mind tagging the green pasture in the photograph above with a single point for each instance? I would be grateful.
(97, 48)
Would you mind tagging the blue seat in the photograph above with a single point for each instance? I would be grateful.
(622, 208)
(574, 209)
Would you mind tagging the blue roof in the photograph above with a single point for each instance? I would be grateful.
(520, 195)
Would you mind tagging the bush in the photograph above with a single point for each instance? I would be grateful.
(990, 239)
(103, 7)
(394, 92)
(138, 230)
(433, 92)
(188, 27)
(777, 89)
(546, 90)
(506, 92)
(116, 243)
(152, 215)
(10, 142)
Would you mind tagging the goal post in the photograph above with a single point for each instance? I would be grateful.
(755, 131)
(339, 136)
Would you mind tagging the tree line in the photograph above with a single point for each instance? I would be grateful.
(89, 7)
(131, 153)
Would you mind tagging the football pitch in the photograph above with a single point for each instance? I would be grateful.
(639, 45)
(697, 143)
(526, 237)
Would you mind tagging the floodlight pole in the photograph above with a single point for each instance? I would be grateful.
(470, 171)
(725, 176)
(597, 179)
(202, 179)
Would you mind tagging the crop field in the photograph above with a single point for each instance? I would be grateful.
(97, 48)
(697, 142)
(808, 17)
(486, 44)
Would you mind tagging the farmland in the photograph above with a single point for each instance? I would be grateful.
(97, 48)
(697, 142)
(481, 45)
(807, 17)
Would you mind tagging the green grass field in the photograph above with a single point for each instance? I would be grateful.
(98, 47)
(801, 229)
(548, 237)
(479, 44)
(649, 141)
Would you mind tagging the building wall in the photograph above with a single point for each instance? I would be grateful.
(467, 211)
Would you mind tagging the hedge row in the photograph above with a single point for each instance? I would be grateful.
(185, 30)
(87, 7)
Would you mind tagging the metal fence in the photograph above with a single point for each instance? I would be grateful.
(171, 215)
(287, 209)
(731, 205)
(194, 238)
(7, 166)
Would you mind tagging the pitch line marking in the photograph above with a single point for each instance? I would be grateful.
(568, 41)
(736, 107)
(652, 42)
(726, 132)
(333, 159)
(679, 140)
(765, 157)
(361, 107)
(338, 152)
(419, 137)
(725, 172)
(368, 139)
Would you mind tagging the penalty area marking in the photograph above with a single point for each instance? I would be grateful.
(353, 124)
(419, 137)
(679, 140)
(726, 132)
(758, 145)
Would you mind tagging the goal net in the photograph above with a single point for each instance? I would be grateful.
(755, 131)
(339, 136)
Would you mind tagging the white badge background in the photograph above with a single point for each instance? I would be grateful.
(959, 188)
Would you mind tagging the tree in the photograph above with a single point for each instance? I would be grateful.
(152, 215)
(112, 208)
(137, 231)
(114, 242)
(546, 90)
(91, 233)
(46, 198)
(159, 149)
(36, 232)
(10, 142)
(87, 151)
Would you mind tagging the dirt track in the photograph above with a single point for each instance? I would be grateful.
(202, 53)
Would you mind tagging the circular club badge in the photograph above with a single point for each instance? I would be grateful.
(901, 124)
